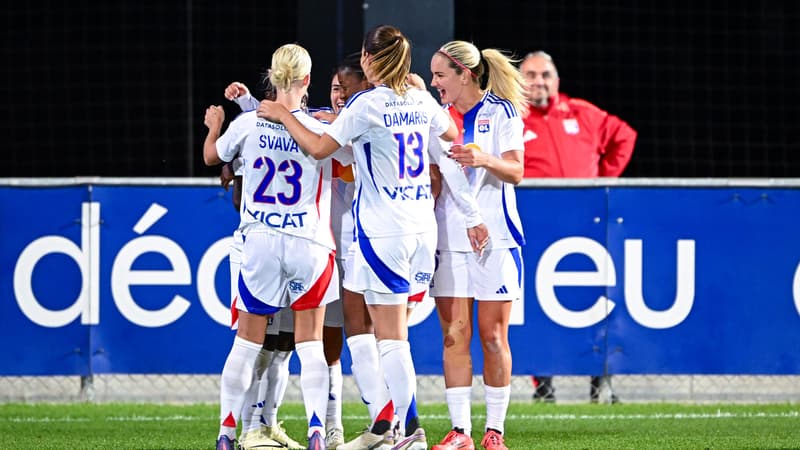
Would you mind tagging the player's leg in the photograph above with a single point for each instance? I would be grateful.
(410, 263)
(310, 276)
(333, 340)
(238, 374)
(366, 367)
(497, 278)
(451, 289)
(282, 346)
(253, 404)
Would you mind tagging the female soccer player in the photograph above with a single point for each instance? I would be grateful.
(482, 91)
(288, 252)
(389, 126)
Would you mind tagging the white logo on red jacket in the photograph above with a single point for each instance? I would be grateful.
(571, 126)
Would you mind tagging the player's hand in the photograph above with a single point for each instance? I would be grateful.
(478, 238)
(469, 155)
(226, 176)
(215, 115)
(324, 115)
(236, 90)
(271, 111)
(414, 80)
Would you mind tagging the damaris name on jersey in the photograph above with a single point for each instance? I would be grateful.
(401, 118)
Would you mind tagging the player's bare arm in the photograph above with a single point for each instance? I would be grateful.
(214, 118)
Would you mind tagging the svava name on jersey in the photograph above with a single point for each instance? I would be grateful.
(401, 118)
(279, 143)
(421, 192)
(278, 220)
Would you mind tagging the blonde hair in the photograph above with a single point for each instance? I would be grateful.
(490, 69)
(290, 63)
(391, 56)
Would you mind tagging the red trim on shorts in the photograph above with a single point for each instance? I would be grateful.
(234, 312)
(417, 297)
(313, 297)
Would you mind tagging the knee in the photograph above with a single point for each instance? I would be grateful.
(457, 337)
(493, 343)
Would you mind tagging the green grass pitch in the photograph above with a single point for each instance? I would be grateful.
(528, 426)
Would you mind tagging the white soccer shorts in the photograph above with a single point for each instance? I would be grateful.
(497, 275)
(392, 270)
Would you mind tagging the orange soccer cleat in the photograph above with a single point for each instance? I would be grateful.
(455, 441)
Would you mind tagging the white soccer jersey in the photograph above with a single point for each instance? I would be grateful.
(342, 215)
(283, 189)
(496, 127)
(389, 134)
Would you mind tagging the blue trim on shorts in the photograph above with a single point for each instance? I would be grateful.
(518, 261)
(254, 305)
(395, 283)
(515, 233)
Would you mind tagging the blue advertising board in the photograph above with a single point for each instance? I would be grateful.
(127, 278)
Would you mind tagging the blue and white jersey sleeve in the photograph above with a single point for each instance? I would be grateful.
(498, 199)
(344, 155)
(246, 102)
(455, 182)
(351, 123)
(440, 121)
(230, 144)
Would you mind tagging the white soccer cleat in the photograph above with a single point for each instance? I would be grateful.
(277, 433)
(369, 441)
(258, 440)
(334, 438)
(415, 441)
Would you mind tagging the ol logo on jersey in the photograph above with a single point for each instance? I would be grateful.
(483, 125)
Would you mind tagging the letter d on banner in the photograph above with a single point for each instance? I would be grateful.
(87, 256)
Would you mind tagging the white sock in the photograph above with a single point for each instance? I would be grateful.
(368, 373)
(333, 417)
(277, 380)
(398, 370)
(459, 402)
(253, 398)
(314, 383)
(237, 376)
(497, 399)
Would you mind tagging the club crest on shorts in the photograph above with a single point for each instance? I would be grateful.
(423, 277)
(296, 286)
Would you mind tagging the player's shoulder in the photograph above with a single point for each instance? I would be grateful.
(499, 106)
(245, 116)
(359, 99)
(309, 121)
(243, 121)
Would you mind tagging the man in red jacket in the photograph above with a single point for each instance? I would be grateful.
(569, 138)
